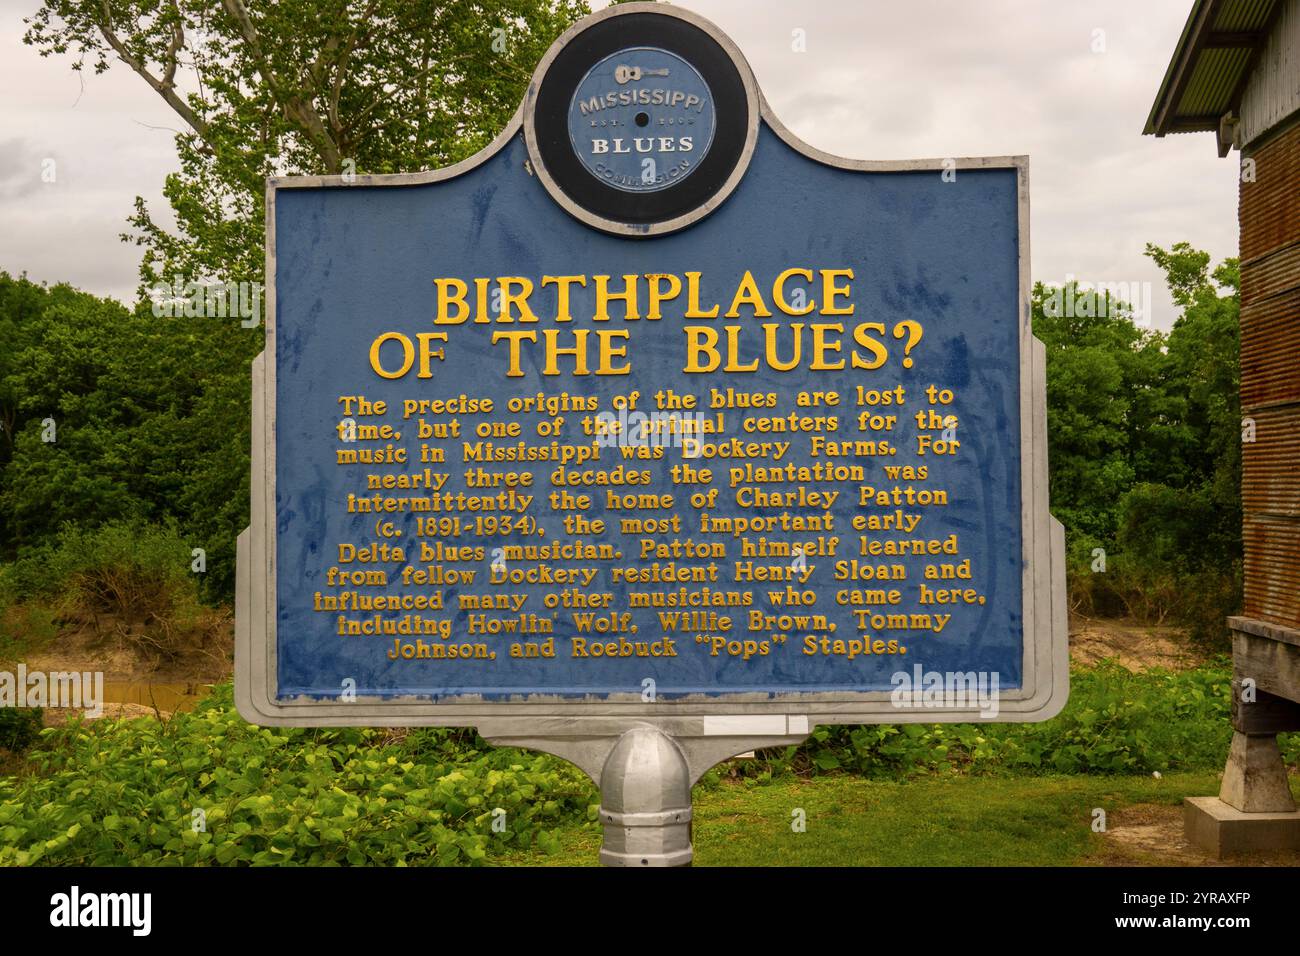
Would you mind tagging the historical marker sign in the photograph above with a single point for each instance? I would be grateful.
(650, 411)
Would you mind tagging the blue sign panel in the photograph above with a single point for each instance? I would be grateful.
(776, 452)
(650, 413)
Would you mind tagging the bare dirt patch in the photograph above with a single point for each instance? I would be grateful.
(58, 716)
(1137, 647)
(117, 652)
(137, 681)
(1149, 834)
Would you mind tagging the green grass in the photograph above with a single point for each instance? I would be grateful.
(120, 792)
(957, 821)
(24, 630)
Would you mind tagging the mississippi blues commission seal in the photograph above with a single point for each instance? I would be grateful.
(642, 121)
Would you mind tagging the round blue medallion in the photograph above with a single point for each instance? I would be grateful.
(641, 119)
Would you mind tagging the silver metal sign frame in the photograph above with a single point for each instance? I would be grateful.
(623, 729)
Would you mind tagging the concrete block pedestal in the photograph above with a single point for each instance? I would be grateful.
(1225, 831)
(1254, 811)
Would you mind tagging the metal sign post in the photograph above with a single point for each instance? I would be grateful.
(650, 435)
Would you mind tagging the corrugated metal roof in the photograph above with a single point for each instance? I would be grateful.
(1246, 15)
(1214, 77)
(1215, 55)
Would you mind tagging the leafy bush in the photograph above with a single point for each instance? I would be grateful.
(116, 568)
(1115, 722)
(1145, 446)
(23, 627)
(127, 792)
(126, 579)
(19, 727)
(1153, 588)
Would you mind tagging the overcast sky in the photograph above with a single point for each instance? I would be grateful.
(878, 80)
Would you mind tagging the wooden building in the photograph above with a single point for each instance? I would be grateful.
(1236, 73)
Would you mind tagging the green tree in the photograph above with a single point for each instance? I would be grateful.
(1143, 434)
(154, 413)
(1196, 500)
(31, 407)
(300, 86)
(144, 416)
(1104, 401)
(21, 305)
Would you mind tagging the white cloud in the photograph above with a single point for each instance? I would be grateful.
(878, 81)
(110, 138)
(948, 78)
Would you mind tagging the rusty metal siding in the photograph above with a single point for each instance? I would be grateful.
(1273, 570)
(1270, 378)
(1272, 274)
(1270, 348)
(1270, 481)
(1269, 207)
(1273, 91)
